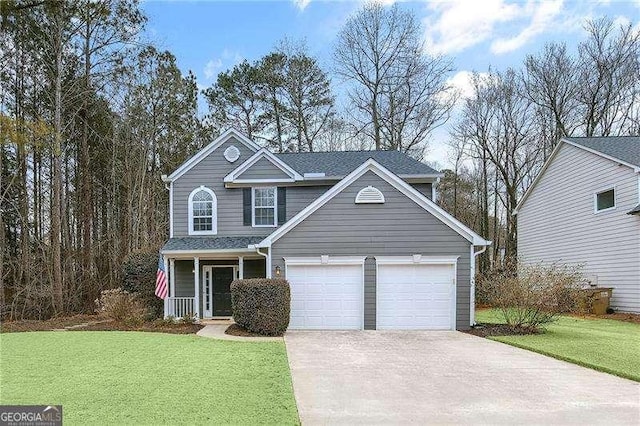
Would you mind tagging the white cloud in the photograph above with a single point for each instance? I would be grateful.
(216, 65)
(461, 81)
(543, 16)
(456, 25)
(301, 4)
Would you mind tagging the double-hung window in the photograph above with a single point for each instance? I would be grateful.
(264, 207)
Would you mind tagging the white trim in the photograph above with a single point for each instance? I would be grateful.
(275, 207)
(472, 286)
(314, 175)
(595, 200)
(240, 267)
(208, 251)
(263, 153)
(396, 182)
(416, 259)
(421, 260)
(328, 260)
(261, 181)
(169, 273)
(196, 284)
(170, 209)
(224, 137)
(551, 158)
(214, 212)
(369, 191)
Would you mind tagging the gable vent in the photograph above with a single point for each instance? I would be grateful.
(369, 195)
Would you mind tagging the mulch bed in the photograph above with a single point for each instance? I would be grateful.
(236, 330)
(85, 322)
(178, 328)
(487, 330)
(55, 323)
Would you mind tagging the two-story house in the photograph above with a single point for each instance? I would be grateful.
(357, 235)
(583, 209)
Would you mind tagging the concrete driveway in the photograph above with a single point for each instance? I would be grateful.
(446, 377)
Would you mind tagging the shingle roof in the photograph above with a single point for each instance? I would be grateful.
(624, 148)
(341, 163)
(210, 243)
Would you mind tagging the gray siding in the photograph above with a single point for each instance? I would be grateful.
(253, 268)
(424, 188)
(399, 227)
(263, 169)
(557, 223)
(210, 172)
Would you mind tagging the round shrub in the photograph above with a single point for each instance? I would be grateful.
(261, 305)
(139, 276)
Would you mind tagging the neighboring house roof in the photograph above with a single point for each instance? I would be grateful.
(635, 210)
(341, 163)
(395, 181)
(623, 148)
(620, 149)
(204, 244)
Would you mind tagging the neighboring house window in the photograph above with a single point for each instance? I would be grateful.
(202, 212)
(605, 200)
(264, 204)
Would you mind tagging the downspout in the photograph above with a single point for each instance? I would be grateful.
(267, 260)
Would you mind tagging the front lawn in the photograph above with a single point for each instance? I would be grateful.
(147, 378)
(602, 344)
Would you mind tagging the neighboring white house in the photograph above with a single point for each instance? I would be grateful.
(584, 208)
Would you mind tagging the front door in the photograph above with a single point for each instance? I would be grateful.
(216, 289)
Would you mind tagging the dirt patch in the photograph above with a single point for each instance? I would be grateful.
(487, 330)
(619, 316)
(56, 323)
(236, 330)
(159, 327)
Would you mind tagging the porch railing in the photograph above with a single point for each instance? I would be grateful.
(179, 307)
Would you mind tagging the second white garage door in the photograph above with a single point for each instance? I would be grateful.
(326, 296)
(416, 296)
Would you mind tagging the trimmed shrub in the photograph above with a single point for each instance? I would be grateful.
(261, 305)
(530, 296)
(120, 305)
(139, 276)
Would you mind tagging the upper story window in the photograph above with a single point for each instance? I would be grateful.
(605, 200)
(263, 206)
(202, 212)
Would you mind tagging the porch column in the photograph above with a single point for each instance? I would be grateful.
(172, 277)
(196, 286)
(169, 273)
(240, 267)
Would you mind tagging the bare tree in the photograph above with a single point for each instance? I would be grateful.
(398, 92)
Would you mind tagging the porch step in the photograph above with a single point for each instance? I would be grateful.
(217, 321)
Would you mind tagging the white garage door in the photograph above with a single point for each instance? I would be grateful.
(326, 296)
(415, 296)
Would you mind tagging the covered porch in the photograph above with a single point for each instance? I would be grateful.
(200, 280)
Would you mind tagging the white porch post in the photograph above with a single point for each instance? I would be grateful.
(196, 286)
(172, 278)
(169, 273)
(240, 267)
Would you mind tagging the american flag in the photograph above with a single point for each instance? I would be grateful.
(161, 280)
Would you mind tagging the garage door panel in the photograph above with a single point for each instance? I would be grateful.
(415, 296)
(326, 296)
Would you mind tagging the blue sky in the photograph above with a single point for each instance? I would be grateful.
(210, 36)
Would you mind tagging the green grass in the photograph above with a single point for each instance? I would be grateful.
(602, 344)
(148, 378)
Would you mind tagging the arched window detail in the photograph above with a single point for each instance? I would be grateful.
(369, 195)
(203, 212)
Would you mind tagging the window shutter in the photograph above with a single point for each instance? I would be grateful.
(282, 205)
(246, 206)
